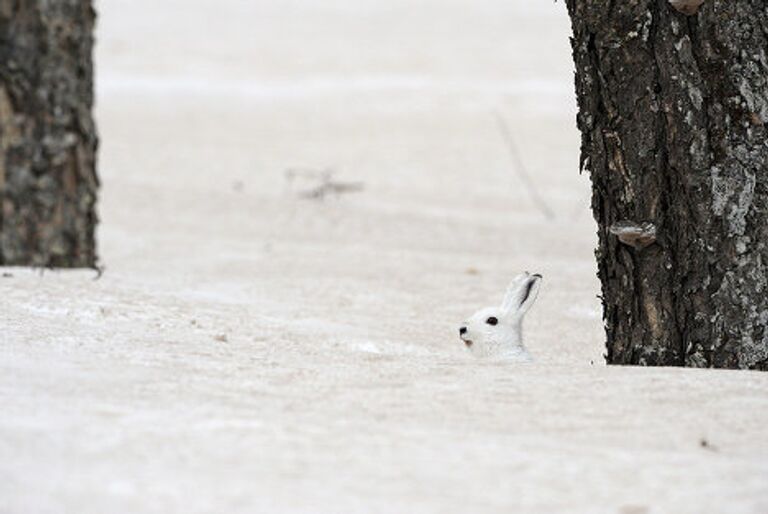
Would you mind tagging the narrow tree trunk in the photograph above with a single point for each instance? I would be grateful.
(47, 136)
(673, 111)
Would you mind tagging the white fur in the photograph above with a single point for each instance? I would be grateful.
(505, 339)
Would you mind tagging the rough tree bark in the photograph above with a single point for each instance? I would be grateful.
(48, 139)
(673, 107)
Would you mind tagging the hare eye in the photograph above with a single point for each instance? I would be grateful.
(492, 320)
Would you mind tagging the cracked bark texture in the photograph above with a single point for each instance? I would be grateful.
(48, 140)
(673, 111)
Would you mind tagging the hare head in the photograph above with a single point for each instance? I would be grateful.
(498, 331)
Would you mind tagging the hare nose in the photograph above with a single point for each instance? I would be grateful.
(462, 331)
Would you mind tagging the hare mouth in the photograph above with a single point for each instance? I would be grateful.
(467, 342)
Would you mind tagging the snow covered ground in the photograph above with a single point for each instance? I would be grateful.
(252, 350)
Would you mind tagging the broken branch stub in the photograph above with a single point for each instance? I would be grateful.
(636, 235)
(686, 6)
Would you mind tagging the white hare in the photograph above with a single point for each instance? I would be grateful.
(497, 332)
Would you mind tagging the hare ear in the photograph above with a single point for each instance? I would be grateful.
(521, 293)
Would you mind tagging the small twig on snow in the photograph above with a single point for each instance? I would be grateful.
(522, 172)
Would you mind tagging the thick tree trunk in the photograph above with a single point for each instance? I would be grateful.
(47, 136)
(673, 110)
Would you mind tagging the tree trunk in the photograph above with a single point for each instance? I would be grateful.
(673, 108)
(48, 139)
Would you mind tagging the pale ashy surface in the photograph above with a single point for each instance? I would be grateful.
(251, 351)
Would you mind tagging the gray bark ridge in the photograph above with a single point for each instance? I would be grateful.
(673, 111)
(48, 139)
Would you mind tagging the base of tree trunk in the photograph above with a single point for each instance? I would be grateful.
(48, 141)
